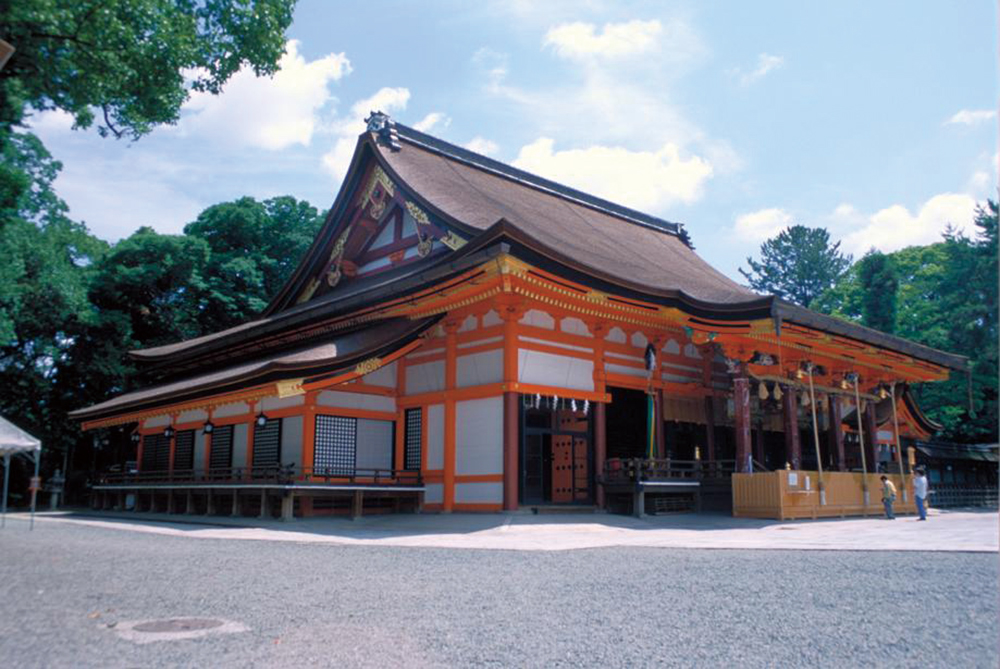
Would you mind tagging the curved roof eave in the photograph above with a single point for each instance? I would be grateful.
(786, 311)
(317, 359)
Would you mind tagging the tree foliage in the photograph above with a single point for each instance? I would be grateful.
(69, 306)
(798, 264)
(945, 298)
(254, 248)
(129, 59)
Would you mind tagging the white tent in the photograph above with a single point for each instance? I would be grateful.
(14, 440)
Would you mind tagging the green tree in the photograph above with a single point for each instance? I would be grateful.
(255, 246)
(946, 298)
(879, 286)
(798, 264)
(128, 59)
(155, 283)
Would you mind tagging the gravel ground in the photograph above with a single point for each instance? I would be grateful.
(64, 589)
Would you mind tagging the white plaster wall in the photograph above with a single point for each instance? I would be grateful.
(192, 416)
(491, 318)
(470, 323)
(478, 342)
(199, 450)
(435, 436)
(539, 319)
(375, 264)
(374, 444)
(384, 377)
(617, 335)
(156, 421)
(479, 368)
(557, 344)
(434, 493)
(479, 436)
(691, 351)
(425, 378)
(275, 403)
(337, 398)
(291, 441)
(575, 326)
(611, 368)
(240, 445)
(479, 493)
(555, 370)
(672, 347)
(886, 435)
(639, 340)
(237, 409)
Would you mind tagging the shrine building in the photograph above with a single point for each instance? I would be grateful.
(466, 336)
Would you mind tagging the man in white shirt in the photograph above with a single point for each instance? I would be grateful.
(920, 493)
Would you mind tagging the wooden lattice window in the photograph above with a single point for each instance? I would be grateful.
(221, 453)
(336, 445)
(184, 450)
(155, 453)
(413, 439)
(267, 443)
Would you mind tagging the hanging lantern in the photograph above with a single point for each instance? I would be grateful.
(762, 391)
(805, 400)
(777, 392)
(572, 405)
(586, 407)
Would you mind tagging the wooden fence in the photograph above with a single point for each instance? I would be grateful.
(786, 495)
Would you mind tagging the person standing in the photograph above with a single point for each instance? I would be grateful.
(920, 493)
(888, 496)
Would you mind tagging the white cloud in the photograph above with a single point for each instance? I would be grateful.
(115, 197)
(52, 122)
(895, 227)
(981, 182)
(427, 123)
(267, 112)
(482, 145)
(338, 159)
(604, 98)
(645, 180)
(972, 117)
(762, 224)
(766, 63)
(581, 40)
(495, 67)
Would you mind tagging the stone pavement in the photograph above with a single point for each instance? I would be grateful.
(962, 531)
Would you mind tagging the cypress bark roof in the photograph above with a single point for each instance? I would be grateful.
(607, 238)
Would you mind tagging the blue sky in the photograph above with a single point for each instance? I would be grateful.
(875, 120)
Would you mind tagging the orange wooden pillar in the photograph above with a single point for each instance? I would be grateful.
(450, 375)
(790, 415)
(836, 432)
(600, 448)
(399, 461)
(741, 414)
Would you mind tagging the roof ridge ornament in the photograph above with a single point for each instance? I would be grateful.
(384, 129)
